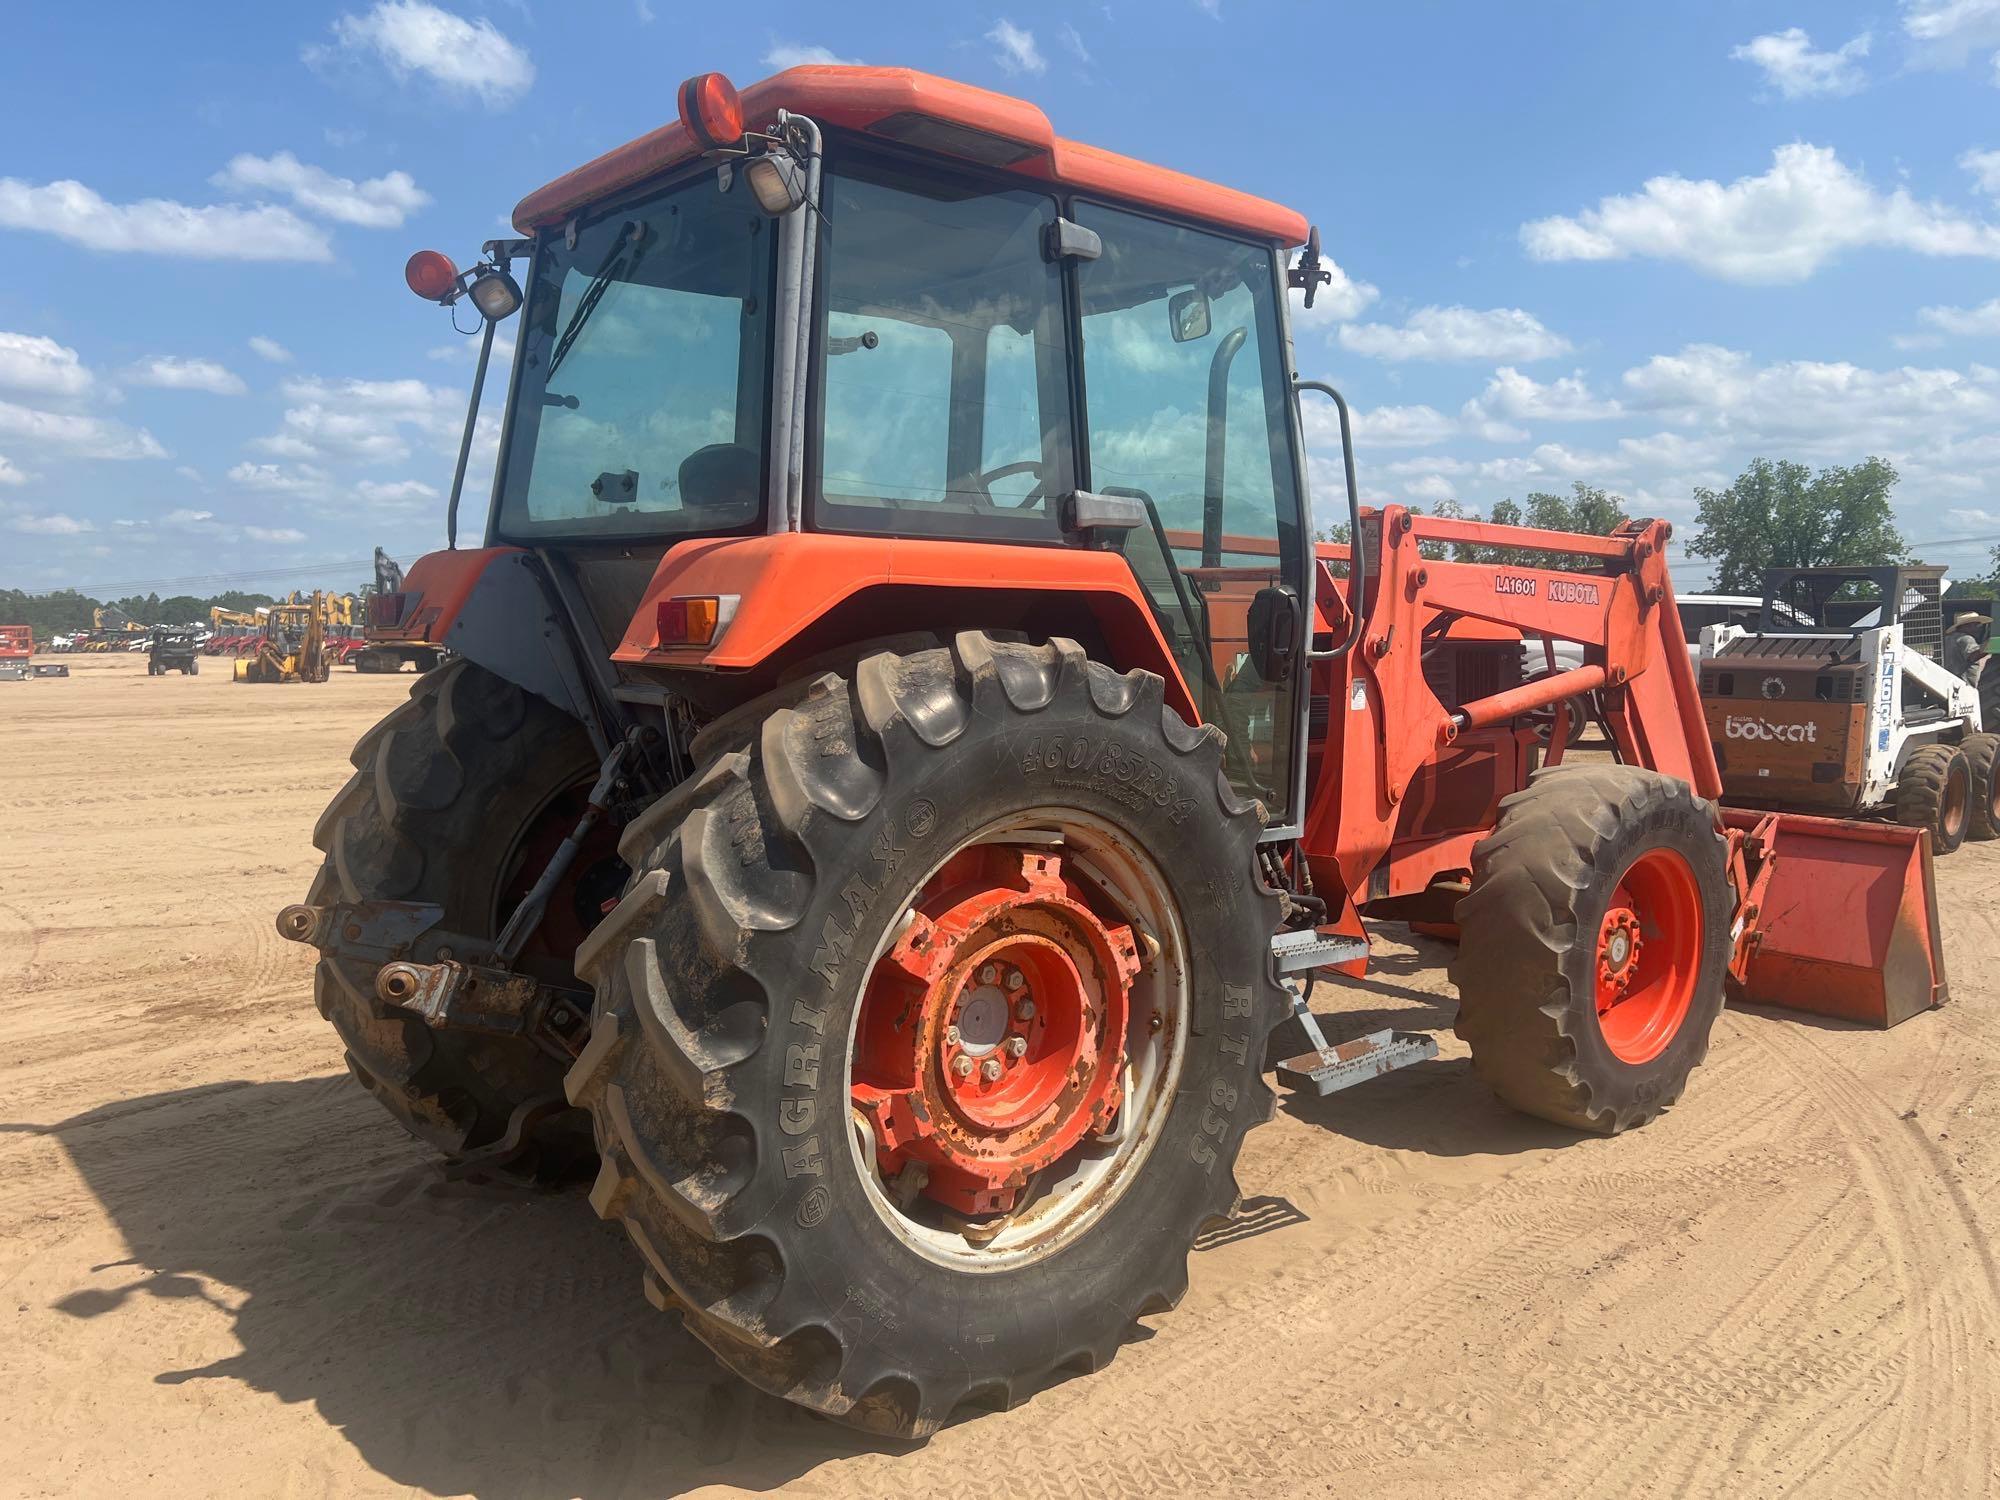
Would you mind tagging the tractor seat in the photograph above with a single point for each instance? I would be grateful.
(722, 476)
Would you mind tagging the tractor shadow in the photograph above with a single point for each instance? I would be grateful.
(464, 1339)
(1437, 1107)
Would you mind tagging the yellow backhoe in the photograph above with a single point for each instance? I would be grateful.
(293, 647)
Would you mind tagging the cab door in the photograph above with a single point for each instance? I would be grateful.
(1188, 409)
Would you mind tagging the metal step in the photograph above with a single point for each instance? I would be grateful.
(1309, 948)
(1333, 1068)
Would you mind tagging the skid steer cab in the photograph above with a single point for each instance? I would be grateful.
(903, 755)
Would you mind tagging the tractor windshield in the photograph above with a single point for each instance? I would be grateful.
(640, 395)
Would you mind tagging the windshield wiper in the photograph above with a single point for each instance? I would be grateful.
(614, 263)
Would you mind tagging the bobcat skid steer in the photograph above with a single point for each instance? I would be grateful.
(1838, 703)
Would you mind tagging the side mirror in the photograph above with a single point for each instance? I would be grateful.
(1274, 631)
(1188, 315)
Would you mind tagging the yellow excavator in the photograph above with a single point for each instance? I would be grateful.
(293, 648)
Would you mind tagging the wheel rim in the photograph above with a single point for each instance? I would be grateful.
(1018, 1039)
(1648, 956)
(588, 889)
(1957, 796)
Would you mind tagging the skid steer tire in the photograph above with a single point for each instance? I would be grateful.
(443, 790)
(732, 979)
(1577, 847)
(1935, 790)
(1982, 753)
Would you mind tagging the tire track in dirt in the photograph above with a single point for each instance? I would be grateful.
(1940, 1444)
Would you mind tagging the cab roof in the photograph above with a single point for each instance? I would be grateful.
(937, 114)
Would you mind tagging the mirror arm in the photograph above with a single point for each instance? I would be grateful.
(1354, 559)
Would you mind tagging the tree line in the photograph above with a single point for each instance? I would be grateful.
(1776, 514)
(66, 612)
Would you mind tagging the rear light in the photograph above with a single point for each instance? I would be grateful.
(712, 112)
(431, 275)
(694, 619)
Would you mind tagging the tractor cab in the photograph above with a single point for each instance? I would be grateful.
(976, 333)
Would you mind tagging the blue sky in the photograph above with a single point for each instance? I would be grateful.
(1631, 245)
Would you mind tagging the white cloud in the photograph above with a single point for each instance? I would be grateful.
(410, 36)
(1982, 321)
(157, 226)
(1794, 69)
(1072, 41)
(1456, 333)
(276, 479)
(187, 517)
(1946, 33)
(361, 421)
(172, 373)
(396, 492)
(1339, 301)
(52, 524)
(82, 436)
(1015, 50)
(467, 349)
(1778, 227)
(1391, 426)
(270, 349)
(378, 203)
(1985, 169)
(1513, 397)
(1431, 487)
(30, 362)
(274, 534)
(9, 474)
(795, 55)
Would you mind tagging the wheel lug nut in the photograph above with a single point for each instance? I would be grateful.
(951, 1036)
(988, 974)
(990, 1069)
(1015, 979)
(1016, 1045)
(962, 1065)
(1024, 1010)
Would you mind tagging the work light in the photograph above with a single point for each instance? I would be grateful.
(495, 294)
(777, 181)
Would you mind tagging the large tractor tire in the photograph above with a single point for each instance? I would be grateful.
(458, 799)
(930, 1025)
(1982, 754)
(1595, 945)
(1934, 790)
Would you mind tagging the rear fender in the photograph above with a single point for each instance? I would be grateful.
(797, 594)
(490, 606)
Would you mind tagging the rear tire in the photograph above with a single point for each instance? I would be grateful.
(739, 981)
(444, 792)
(1595, 945)
(1934, 790)
(1982, 753)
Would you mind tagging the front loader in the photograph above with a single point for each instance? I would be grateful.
(904, 755)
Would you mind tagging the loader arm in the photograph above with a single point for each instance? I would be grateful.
(1870, 882)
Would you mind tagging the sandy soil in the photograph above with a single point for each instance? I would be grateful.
(223, 1270)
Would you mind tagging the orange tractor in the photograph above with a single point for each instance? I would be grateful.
(904, 755)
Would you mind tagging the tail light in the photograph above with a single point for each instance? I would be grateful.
(431, 275)
(694, 619)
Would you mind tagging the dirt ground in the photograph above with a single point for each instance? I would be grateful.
(223, 1270)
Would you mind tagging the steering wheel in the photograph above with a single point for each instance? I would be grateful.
(984, 482)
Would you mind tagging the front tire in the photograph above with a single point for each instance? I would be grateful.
(1934, 790)
(457, 799)
(787, 989)
(1594, 945)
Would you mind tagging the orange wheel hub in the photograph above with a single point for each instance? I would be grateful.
(991, 1040)
(1648, 956)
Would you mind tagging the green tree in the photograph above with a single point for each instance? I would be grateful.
(1782, 515)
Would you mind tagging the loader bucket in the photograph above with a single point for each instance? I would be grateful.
(1849, 922)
